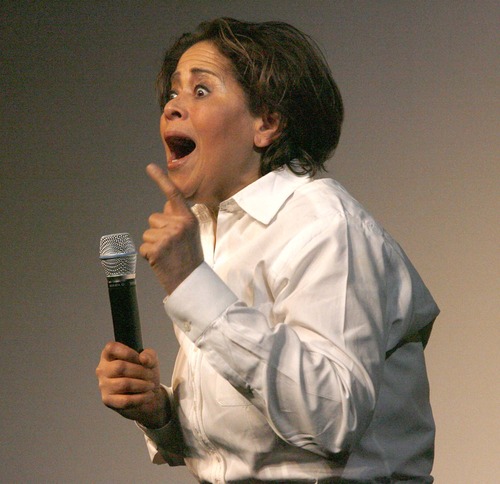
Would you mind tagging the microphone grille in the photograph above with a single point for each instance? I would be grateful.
(118, 255)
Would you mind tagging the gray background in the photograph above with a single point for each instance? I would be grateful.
(80, 123)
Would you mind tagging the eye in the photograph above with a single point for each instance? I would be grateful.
(171, 95)
(201, 91)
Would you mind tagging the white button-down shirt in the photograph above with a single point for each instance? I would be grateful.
(283, 330)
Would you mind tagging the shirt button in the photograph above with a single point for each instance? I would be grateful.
(186, 325)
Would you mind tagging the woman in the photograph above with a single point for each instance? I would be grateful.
(301, 323)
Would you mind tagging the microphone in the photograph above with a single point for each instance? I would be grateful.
(118, 257)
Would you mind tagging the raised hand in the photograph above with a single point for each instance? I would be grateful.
(172, 243)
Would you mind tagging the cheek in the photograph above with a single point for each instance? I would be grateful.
(228, 131)
(223, 119)
(213, 126)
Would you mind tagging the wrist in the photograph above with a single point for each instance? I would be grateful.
(162, 415)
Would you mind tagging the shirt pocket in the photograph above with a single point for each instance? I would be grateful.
(227, 396)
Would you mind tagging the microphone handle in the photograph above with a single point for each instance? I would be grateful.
(125, 312)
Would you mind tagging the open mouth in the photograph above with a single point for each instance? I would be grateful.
(180, 147)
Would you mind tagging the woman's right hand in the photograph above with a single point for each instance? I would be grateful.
(130, 385)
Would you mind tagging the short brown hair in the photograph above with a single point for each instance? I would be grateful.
(281, 70)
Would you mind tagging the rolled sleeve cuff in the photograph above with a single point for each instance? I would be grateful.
(198, 301)
(155, 454)
(170, 438)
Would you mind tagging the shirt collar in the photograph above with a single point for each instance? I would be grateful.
(263, 198)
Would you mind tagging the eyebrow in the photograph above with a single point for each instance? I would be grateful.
(195, 70)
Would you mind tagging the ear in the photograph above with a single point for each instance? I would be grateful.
(267, 129)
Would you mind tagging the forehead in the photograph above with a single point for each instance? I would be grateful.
(204, 56)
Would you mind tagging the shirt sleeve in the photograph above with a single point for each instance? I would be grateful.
(314, 371)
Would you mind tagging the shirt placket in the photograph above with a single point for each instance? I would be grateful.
(218, 465)
(210, 249)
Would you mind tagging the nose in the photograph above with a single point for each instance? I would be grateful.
(174, 109)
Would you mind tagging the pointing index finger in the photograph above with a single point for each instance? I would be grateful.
(174, 196)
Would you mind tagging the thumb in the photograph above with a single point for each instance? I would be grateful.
(148, 358)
